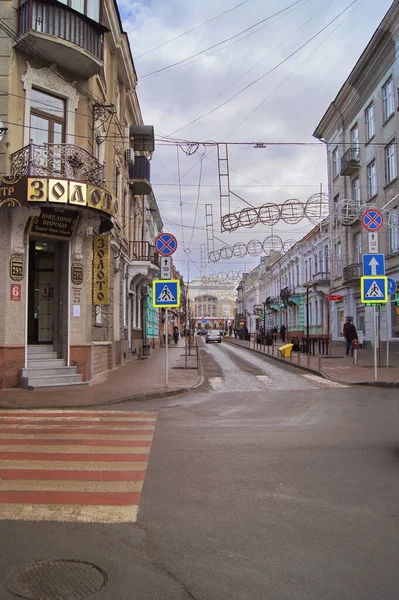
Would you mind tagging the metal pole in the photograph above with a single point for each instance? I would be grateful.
(389, 326)
(375, 342)
(166, 347)
(307, 321)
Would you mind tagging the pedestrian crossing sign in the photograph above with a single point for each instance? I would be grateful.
(166, 293)
(374, 290)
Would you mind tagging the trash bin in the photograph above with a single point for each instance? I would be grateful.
(286, 350)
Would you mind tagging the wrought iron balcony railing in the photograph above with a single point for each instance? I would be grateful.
(350, 162)
(352, 272)
(63, 161)
(59, 21)
(143, 251)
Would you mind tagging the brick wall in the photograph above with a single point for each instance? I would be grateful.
(102, 358)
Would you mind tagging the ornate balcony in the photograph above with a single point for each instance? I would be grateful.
(352, 272)
(139, 176)
(61, 161)
(72, 40)
(322, 278)
(143, 251)
(350, 162)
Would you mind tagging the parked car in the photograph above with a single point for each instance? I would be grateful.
(213, 336)
(202, 331)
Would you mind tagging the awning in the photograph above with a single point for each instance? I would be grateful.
(295, 299)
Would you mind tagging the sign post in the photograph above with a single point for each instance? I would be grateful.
(166, 347)
(391, 291)
(375, 342)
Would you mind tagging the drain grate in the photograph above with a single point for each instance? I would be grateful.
(56, 580)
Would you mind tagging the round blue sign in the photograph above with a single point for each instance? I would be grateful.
(372, 219)
(391, 286)
(165, 244)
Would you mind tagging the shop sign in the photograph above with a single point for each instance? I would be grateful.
(26, 191)
(16, 268)
(101, 270)
(77, 273)
(15, 292)
(55, 222)
(334, 297)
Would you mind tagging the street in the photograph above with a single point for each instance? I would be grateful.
(266, 482)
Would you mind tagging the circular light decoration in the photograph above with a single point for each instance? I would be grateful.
(249, 217)
(213, 277)
(239, 250)
(347, 212)
(230, 222)
(222, 276)
(269, 214)
(214, 256)
(392, 218)
(254, 247)
(272, 242)
(317, 208)
(226, 252)
(292, 211)
(232, 275)
(288, 244)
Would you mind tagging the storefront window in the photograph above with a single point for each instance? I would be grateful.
(340, 322)
(360, 318)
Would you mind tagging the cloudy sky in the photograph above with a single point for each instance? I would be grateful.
(297, 79)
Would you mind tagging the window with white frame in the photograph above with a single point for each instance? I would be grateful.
(335, 163)
(356, 191)
(388, 99)
(355, 137)
(326, 263)
(391, 169)
(338, 259)
(297, 274)
(357, 239)
(394, 239)
(370, 122)
(371, 180)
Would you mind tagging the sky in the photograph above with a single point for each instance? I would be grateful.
(290, 79)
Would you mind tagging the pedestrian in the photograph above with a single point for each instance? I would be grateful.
(176, 334)
(350, 334)
(282, 332)
(274, 332)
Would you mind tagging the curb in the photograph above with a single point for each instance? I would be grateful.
(381, 384)
(136, 398)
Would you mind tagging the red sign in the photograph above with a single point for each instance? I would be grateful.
(372, 219)
(15, 291)
(334, 297)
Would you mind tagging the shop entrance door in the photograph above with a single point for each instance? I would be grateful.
(48, 294)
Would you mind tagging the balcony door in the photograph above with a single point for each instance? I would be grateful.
(47, 126)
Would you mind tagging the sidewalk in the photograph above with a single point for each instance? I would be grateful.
(135, 380)
(338, 367)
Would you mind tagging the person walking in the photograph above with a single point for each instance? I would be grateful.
(350, 334)
(176, 334)
(282, 333)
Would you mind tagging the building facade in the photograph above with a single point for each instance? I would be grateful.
(77, 214)
(212, 304)
(361, 131)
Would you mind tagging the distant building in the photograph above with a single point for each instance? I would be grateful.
(212, 304)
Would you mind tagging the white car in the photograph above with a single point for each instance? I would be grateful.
(213, 336)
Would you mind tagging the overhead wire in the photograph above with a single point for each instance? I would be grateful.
(270, 70)
(193, 29)
(147, 75)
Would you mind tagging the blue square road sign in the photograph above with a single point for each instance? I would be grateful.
(374, 290)
(373, 265)
(166, 293)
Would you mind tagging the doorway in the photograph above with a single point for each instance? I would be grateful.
(48, 294)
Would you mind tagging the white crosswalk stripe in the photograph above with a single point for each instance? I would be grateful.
(324, 382)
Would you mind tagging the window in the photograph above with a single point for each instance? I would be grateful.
(394, 239)
(297, 274)
(326, 263)
(356, 191)
(90, 8)
(391, 170)
(370, 122)
(335, 163)
(371, 180)
(306, 270)
(315, 263)
(336, 198)
(355, 137)
(338, 256)
(357, 238)
(47, 118)
(388, 99)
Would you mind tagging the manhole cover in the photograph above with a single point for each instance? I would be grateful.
(56, 580)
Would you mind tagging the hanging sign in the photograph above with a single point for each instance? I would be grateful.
(16, 268)
(77, 273)
(101, 270)
(54, 222)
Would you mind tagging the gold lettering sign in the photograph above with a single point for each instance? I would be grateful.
(63, 191)
(16, 268)
(77, 274)
(101, 270)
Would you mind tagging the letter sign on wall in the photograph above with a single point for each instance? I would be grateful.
(101, 270)
(15, 291)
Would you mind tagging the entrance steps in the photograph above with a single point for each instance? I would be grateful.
(45, 370)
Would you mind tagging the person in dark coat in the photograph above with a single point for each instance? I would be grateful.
(350, 334)
(282, 333)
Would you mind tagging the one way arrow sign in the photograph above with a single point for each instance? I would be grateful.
(373, 265)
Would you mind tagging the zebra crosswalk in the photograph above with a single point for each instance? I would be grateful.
(67, 465)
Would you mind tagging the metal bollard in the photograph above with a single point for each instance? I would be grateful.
(355, 358)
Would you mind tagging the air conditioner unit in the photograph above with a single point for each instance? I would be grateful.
(146, 290)
(129, 156)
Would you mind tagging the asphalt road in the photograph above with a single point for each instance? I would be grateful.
(264, 484)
